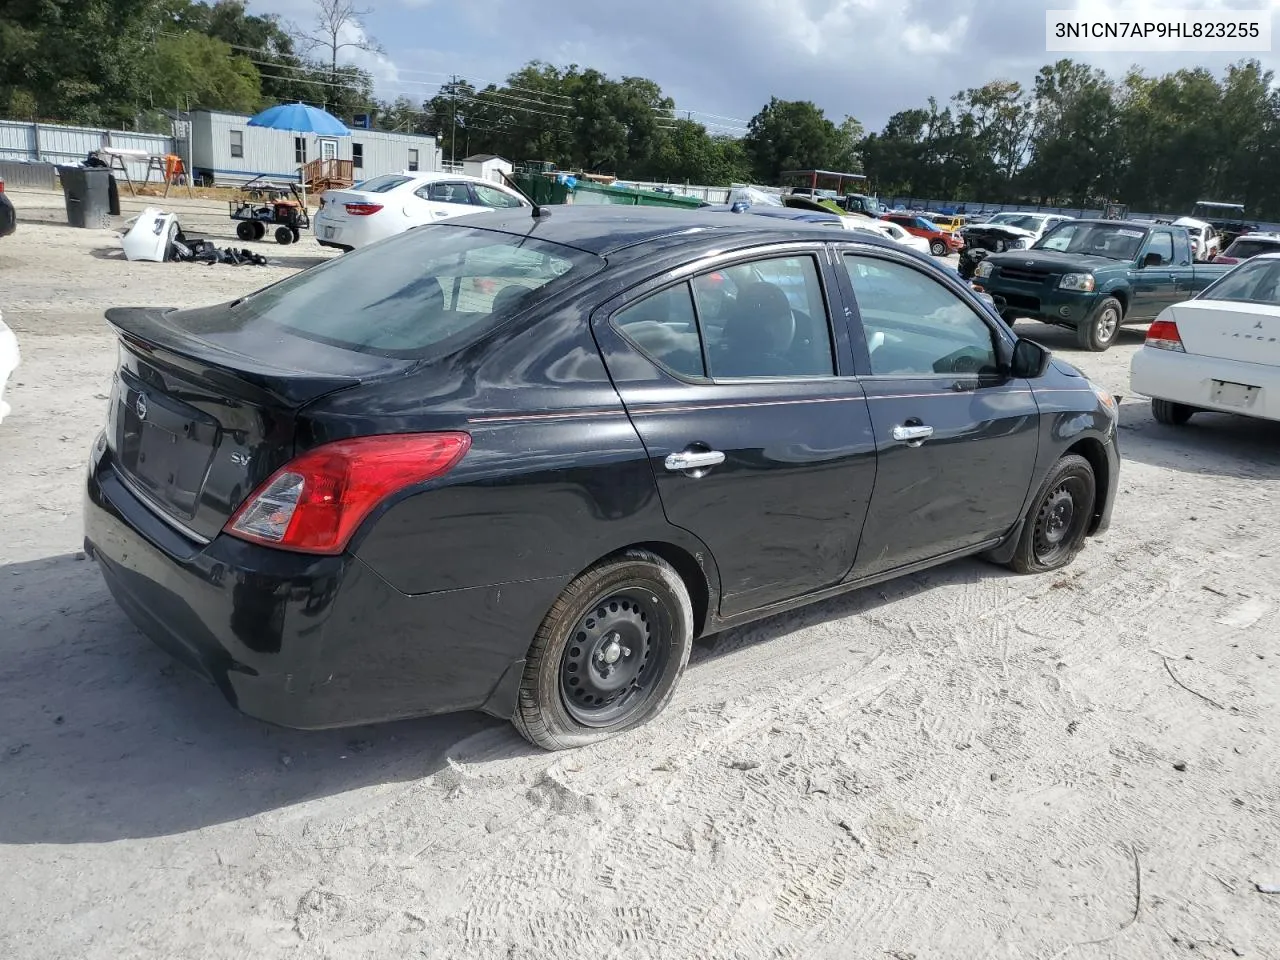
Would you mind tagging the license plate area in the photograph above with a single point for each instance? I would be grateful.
(164, 445)
(1228, 394)
(328, 233)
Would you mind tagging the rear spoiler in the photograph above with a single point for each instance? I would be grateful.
(148, 332)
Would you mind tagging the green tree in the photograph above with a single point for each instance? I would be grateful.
(198, 70)
(790, 135)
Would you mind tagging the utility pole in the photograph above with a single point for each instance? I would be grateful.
(453, 134)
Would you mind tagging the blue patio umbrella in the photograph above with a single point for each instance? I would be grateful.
(300, 118)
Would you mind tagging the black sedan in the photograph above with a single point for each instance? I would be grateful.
(518, 463)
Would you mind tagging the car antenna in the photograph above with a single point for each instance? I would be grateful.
(538, 210)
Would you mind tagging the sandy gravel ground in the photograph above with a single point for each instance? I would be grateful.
(960, 764)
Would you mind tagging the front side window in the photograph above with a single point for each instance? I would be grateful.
(914, 325)
(765, 318)
(446, 285)
(1161, 245)
(493, 197)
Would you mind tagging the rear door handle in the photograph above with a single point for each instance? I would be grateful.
(693, 460)
(912, 436)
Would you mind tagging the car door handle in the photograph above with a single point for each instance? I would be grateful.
(693, 460)
(912, 436)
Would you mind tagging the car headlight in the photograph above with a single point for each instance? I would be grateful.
(1082, 282)
(1019, 244)
(984, 269)
(1106, 399)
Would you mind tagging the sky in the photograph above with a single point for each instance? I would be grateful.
(721, 60)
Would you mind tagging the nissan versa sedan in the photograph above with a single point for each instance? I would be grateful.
(517, 463)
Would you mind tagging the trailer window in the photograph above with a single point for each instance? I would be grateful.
(237, 143)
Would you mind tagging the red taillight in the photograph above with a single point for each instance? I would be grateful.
(1, 186)
(363, 209)
(1163, 335)
(315, 502)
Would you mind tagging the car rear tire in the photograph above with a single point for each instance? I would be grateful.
(938, 248)
(1057, 521)
(1173, 414)
(1100, 330)
(609, 654)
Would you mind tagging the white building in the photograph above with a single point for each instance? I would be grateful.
(224, 149)
(486, 166)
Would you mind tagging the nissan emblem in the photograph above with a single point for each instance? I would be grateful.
(140, 406)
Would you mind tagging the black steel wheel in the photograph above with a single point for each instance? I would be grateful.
(609, 654)
(284, 236)
(1058, 518)
(259, 229)
(244, 230)
(1170, 413)
(295, 233)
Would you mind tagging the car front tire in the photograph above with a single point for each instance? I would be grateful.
(1168, 412)
(1057, 521)
(1101, 329)
(609, 654)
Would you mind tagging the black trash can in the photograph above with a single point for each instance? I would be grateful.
(87, 191)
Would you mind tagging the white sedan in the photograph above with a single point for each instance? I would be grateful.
(1220, 351)
(890, 231)
(391, 204)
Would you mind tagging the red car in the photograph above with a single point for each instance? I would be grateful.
(941, 242)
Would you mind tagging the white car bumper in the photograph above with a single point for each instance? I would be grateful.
(1198, 382)
(9, 360)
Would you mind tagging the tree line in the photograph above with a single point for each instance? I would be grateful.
(1076, 136)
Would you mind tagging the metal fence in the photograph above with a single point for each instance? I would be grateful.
(28, 176)
(20, 140)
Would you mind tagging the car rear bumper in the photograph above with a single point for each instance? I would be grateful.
(305, 641)
(1190, 379)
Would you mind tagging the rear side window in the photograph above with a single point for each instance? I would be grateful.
(664, 327)
(382, 184)
(435, 285)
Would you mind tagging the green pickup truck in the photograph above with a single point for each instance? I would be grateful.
(1095, 275)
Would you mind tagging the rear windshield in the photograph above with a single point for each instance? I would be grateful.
(1244, 249)
(1256, 281)
(433, 287)
(383, 184)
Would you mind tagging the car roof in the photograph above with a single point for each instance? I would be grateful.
(433, 176)
(1260, 235)
(603, 229)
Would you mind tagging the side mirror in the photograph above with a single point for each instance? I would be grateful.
(1152, 260)
(1030, 360)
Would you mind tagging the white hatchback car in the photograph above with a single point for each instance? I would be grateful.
(1219, 351)
(393, 203)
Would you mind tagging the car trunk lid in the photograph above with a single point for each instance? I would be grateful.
(199, 416)
(1248, 332)
(352, 204)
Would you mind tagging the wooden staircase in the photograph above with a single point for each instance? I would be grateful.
(320, 175)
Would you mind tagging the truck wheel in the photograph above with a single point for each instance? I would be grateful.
(1099, 331)
(609, 654)
(244, 230)
(938, 248)
(1173, 414)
